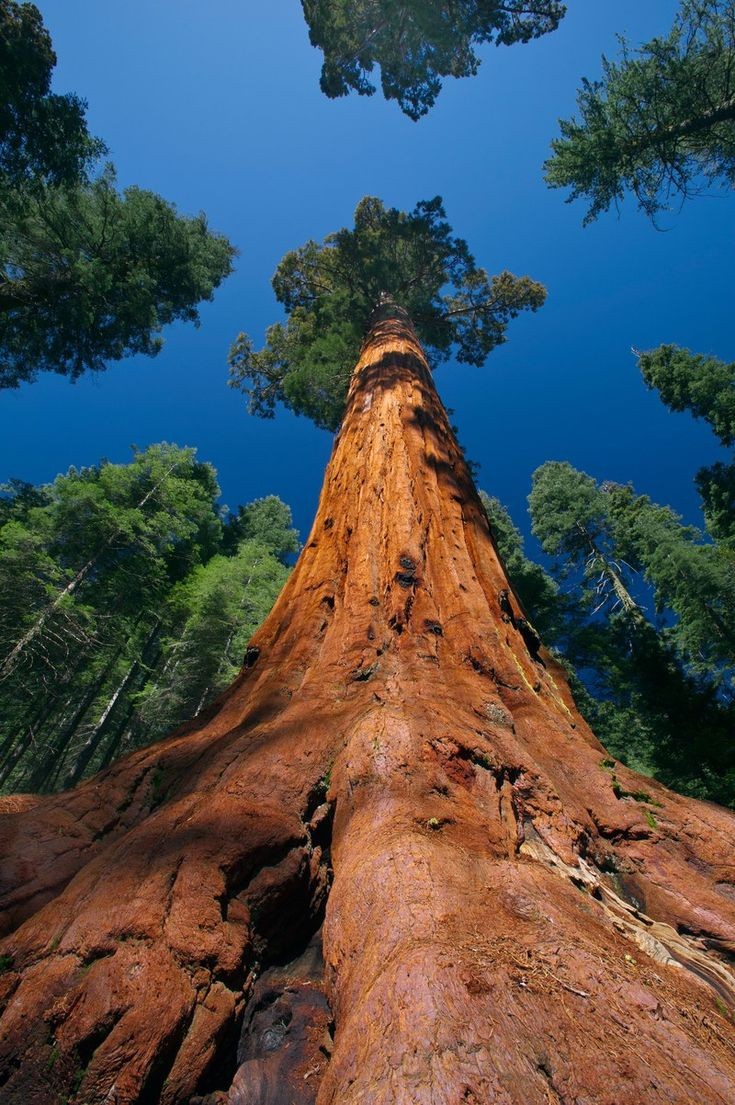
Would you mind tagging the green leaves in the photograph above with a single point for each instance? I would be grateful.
(690, 578)
(652, 683)
(209, 618)
(126, 605)
(415, 42)
(569, 512)
(608, 533)
(661, 122)
(329, 291)
(716, 485)
(43, 136)
(267, 522)
(88, 275)
(705, 386)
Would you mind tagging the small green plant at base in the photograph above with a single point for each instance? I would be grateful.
(78, 1078)
(6, 963)
(53, 1057)
(637, 795)
(326, 780)
(433, 823)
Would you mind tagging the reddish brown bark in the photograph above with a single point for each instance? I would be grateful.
(507, 922)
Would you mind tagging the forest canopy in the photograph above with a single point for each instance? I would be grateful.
(330, 289)
(127, 597)
(416, 43)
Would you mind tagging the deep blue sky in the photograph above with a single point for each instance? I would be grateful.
(217, 107)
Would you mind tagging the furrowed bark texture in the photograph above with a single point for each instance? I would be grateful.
(507, 917)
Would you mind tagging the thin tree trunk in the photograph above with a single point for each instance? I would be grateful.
(52, 709)
(116, 741)
(51, 762)
(622, 594)
(398, 803)
(14, 744)
(37, 628)
(92, 742)
(71, 588)
(37, 720)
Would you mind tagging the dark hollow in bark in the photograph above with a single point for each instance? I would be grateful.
(503, 919)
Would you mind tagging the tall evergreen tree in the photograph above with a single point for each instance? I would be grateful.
(125, 606)
(210, 618)
(704, 386)
(87, 275)
(689, 577)
(661, 122)
(84, 565)
(651, 685)
(391, 857)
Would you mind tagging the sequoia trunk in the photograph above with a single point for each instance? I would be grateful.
(391, 864)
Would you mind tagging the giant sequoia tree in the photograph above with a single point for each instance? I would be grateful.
(390, 863)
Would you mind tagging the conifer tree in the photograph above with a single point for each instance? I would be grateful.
(415, 43)
(43, 135)
(125, 606)
(660, 123)
(655, 690)
(704, 386)
(88, 275)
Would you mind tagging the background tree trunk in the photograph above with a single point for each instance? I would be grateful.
(503, 918)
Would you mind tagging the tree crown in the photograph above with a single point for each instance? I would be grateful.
(705, 386)
(415, 42)
(330, 289)
(89, 275)
(43, 136)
